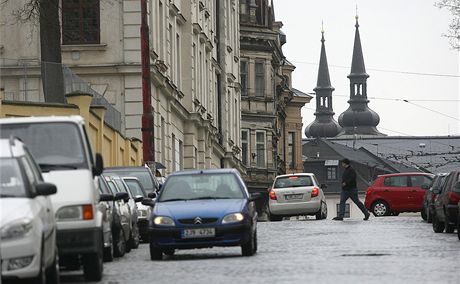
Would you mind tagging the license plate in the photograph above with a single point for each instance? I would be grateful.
(198, 233)
(293, 196)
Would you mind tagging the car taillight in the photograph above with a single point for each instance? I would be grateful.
(314, 192)
(272, 195)
(369, 191)
(454, 197)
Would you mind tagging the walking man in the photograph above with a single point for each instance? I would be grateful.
(349, 190)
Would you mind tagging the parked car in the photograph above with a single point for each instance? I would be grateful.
(28, 247)
(396, 193)
(105, 206)
(122, 230)
(446, 204)
(296, 194)
(200, 209)
(133, 239)
(428, 199)
(144, 174)
(137, 190)
(61, 148)
(458, 221)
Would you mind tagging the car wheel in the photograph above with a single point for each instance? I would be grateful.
(275, 218)
(423, 213)
(155, 253)
(322, 213)
(120, 244)
(108, 253)
(249, 248)
(450, 228)
(93, 266)
(380, 208)
(128, 243)
(52, 272)
(169, 252)
(438, 226)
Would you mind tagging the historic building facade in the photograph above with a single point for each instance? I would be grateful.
(270, 108)
(194, 48)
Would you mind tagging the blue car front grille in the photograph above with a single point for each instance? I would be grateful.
(192, 221)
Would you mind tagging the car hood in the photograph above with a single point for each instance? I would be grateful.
(9, 209)
(203, 208)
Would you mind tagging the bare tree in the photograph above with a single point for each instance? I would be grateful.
(454, 27)
(47, 14)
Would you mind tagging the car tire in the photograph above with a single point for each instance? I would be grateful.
(169, 252)
(458, 227)
(322, 213)
(108, 253)
(275, 218)
(52, 272)
(155, 253)
(120, 244)
(423, 213)
(128, 243)
(380, 208)
(438, 226)
(93, 265)
(450, 228)
(250, 247)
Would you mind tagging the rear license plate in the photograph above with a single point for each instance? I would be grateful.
(293, 196)
(198, 233)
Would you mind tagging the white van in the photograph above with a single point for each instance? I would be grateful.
(61, 147)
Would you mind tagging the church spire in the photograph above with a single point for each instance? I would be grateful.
(357, 63)
(324, 124)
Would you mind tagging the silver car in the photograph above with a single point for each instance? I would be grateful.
(296, 194)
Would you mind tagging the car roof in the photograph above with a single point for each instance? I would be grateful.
(39, 119)
(205, 171)
(295, 174)
(407, 174)
(12, 147)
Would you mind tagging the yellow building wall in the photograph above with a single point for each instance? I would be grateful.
(115, 149)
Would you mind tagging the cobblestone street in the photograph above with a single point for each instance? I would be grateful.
(400, 249)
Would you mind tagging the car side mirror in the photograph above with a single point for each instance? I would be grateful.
(255, 196)
(425, 186)
(122, 196)
(152, 195)
(98, 166)
(323, 186)
(106, 197)
(138, 198)
(45, 188)
(148, 202)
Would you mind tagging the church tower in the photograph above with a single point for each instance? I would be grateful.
(324, 125)
(359, 119)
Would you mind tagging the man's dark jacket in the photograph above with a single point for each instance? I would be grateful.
(349, 178)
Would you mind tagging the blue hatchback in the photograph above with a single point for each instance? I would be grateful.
(202, 209)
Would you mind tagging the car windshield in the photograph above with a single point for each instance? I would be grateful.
(293, 181)
(54, 145)
(11, 181)
(135, 187)
(201, 186)
(143, 176)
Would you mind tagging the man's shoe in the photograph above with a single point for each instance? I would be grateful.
(366, 217)
(337, 218)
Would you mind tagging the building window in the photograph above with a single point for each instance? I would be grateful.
(291, 149)
(331, 173)
(80, 22)
(260, 149)
(260, 78)
(245, 146)
(244, 77)
(347, 210)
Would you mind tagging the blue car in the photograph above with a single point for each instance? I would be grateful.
(203, 209)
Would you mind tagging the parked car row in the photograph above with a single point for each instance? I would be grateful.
(443, 203)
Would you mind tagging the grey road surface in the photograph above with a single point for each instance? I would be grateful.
(400, 249)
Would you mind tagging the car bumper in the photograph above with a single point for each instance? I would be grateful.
(170, 238)
(294, 208)
(25, 250)
(79, 241)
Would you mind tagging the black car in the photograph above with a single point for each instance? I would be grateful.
(144, 174)
(428, 199)
(446, 204)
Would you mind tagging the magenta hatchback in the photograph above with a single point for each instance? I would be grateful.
(391, 194)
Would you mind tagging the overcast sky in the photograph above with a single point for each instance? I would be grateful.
(398, 37)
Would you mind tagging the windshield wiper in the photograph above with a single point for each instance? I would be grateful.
(8, 195)
(206, 197)
(50, 167)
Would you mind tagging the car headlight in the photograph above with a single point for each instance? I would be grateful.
(79, 212)
(233, 218)
(16, 229)
(163, 221)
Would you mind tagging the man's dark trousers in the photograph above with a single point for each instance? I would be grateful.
(353, 195)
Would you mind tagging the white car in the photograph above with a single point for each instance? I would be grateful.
(294, 195)
(28, 229)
